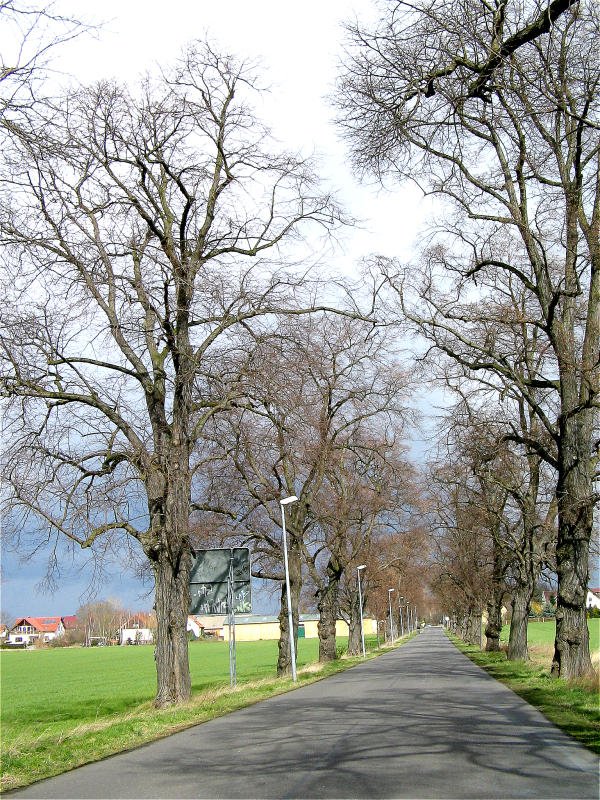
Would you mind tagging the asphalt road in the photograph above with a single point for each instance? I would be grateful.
(419, 722)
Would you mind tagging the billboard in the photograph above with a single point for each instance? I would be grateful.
(209, 580)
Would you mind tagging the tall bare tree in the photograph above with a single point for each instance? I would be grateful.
(517, 161)
(137, 231)
(316, 388)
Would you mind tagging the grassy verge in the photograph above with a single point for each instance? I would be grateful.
(105, 705)
(572, 706)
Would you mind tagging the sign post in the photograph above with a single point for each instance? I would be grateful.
(220, 584)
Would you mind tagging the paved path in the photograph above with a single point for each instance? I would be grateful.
(419, 722)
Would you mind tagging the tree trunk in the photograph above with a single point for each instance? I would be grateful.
(172, 606)
(493, 628)
(575, 490)
(473, 627)
(328, 603)
(326, 627)
(575, 524)
(354, 637)
(167, 546)
(284, 661)
(517, 640)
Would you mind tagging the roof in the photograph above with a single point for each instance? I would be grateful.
(70, 622)
(42, 624)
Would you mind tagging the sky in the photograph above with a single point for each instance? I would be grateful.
(299, 47)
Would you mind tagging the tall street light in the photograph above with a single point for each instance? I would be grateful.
(362, 630)
(286, 501)
(400, 601)
(391, 617)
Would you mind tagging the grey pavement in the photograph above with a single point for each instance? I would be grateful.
(421, 721)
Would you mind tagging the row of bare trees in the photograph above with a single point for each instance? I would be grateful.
(327, 404)
(493, 107)
(167, 357)
(164, 355)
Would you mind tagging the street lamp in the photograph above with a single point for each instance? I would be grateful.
(400, 601)
(286, 501)
(391, 618)
(362, 630)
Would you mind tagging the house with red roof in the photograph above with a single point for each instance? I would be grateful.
(28, 630)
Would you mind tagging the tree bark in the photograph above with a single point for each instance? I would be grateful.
(326, 627)
(284, 661)
(579, 380)
(473, 627)
(575, 513)
(328, 606)
(167, 546)
(354, 637)
(172, 572)
(493, 628)
(517, 641)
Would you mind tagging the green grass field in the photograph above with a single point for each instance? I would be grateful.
(542, 633)
(65, 707)
(81, 684)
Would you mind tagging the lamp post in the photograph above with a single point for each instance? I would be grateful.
(400, 601)
(362, 630)
(391, 618)
(286, 501)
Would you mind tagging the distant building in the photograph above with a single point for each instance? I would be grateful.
(254, 627)
(29, 630)
(135, 636)
(593, 598)
(195, 626)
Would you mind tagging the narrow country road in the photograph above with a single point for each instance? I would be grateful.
(419, 722)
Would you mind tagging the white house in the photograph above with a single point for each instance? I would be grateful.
(195, 626)
(135, 636)
(28, 630)
(593, 598)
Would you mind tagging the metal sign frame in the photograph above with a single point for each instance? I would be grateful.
(220, 583)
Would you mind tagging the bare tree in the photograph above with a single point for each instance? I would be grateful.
(367, 497)
(137, 232)
(510, 486)
(464, 550)
(32, 32)
(316, 387)
(518, 161)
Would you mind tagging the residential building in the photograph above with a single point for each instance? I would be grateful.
(29, 630)
(254, 627)
(593, 598)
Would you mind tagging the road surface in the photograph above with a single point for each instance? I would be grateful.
(419, 722)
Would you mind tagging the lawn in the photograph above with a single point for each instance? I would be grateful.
(81, 684)
(64, 707)
(542, 633)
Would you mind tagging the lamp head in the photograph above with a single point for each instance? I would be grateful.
(362, 566)
(287, 500)
(391, 590)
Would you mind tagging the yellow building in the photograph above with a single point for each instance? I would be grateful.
(253, 627)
